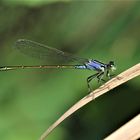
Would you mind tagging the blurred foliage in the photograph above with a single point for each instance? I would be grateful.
(32, 2)
(31, 100)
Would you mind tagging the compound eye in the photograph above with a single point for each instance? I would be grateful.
(111, 63)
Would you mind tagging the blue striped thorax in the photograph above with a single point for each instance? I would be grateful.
(92, 65)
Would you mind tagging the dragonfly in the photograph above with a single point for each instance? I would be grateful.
(45, 52)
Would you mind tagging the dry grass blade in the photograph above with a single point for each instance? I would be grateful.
(129, 131)
(118, 80)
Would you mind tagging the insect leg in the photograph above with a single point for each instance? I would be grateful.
(89, 80)
(100, 76)
(108, 75)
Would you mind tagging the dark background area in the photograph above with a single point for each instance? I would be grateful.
(31, 100)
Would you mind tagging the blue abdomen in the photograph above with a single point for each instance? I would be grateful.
(80, 67)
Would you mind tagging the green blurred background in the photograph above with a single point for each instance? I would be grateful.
(31, 100)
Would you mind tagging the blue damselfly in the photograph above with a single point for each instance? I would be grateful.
(45, 52)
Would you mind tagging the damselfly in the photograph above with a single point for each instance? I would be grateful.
(45, 52)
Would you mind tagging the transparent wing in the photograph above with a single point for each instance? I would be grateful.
(45, 52)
